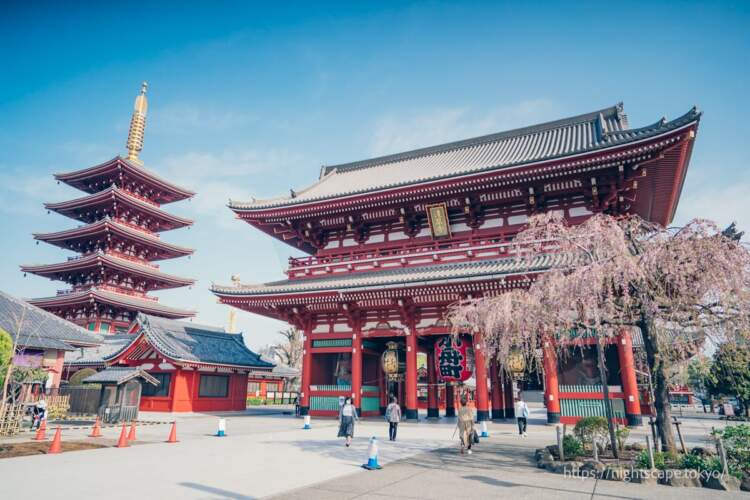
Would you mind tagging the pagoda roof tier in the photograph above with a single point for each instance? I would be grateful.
(120, 172)
(80, 239)
(126, 302)
(438, 274)
(504, 152)
(97, 262)
(113, 202)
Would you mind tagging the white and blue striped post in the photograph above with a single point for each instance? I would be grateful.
(222, 428)
(372, 455)
(485, 434)
(307, 423)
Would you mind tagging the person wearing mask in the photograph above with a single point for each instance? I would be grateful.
(347, 417)
(393, 417)
(522, 413)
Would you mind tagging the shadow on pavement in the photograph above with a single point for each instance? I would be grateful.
(217, 491)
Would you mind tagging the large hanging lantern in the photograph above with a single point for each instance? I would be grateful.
(393, 361)
(516, 363)
(454, 358)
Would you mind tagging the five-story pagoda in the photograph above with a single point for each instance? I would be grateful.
(118, 242)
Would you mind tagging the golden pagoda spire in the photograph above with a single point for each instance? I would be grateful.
(137, 126)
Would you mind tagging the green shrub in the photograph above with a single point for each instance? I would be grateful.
(621, 435)
(590, 430)
(254, 401)
(662, 460)
(737, 445)
(572, 446)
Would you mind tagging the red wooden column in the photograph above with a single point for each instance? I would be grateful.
(551, 386)
(510, 402)
(357, 370)
(450, 400)
(627, 374)
(432, 388)
(411, 412)
(483, 407)
(497, 391)
(304, 403)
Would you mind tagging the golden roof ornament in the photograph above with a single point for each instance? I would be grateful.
(137, 126)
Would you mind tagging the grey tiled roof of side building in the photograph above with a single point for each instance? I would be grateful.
(119, 375)
(40, 329)
(547, 141)
(188, 342)
(95, 355)
(461, 271)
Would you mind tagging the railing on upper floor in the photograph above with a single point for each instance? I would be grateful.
(433, 252)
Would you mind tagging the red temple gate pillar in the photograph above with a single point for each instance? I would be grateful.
(357, 371)
(497, 391)
(483, 412)
(551, 386)
(304, 399)
(432, 388)
(450, 405)
(510, 403)
(627, 374)
(411, 412)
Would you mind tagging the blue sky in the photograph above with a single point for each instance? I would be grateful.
(250, 99)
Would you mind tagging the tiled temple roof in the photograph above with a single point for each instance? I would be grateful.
(548, 141)
(95, 355)
(111, 261)
(401, 277)
(112, 168)
(106, 225)
(119, 375)
(114, 193)
(40, 329)
(112, 298)
(187, 342)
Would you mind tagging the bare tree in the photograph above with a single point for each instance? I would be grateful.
(289, 350)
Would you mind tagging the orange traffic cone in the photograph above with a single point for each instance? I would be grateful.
(41, 432)
(173, 434)
(123, 441)
(56, 446)
(131, 434)
(97, 431)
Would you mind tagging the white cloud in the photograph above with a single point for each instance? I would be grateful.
(403, 131)
(24, 193)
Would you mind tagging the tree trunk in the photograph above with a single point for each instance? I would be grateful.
(659, 377)
(607, 404)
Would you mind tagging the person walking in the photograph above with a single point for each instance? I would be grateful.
(347, 417)
(522, 413)
(393, 416)
(465, 424)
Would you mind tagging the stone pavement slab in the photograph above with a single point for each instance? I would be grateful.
(497, 469)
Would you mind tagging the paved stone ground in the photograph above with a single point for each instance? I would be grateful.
(267, 453)
(498, 468)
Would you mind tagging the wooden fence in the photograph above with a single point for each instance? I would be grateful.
(11, 417)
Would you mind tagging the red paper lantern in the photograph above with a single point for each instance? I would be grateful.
(454, 358)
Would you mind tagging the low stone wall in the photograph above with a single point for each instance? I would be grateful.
(686, 478)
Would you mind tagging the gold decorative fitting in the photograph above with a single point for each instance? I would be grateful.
(137, 126)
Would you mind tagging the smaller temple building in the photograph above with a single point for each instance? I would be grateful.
(198, 367)
(42, 339)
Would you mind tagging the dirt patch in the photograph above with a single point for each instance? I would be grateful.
(11, 450)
